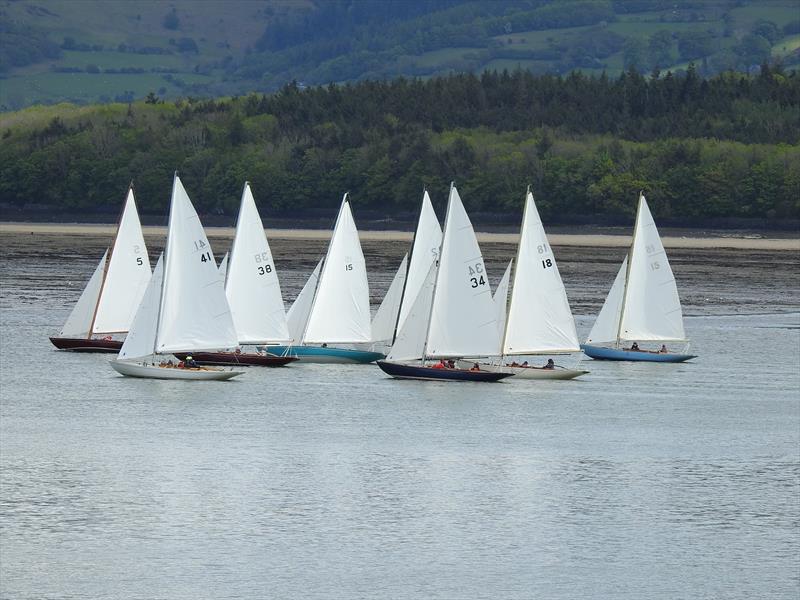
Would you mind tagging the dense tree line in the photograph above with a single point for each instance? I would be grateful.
(720, 147)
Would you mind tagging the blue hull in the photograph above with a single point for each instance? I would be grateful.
(402, 371)
(317, 354)
(603, 353)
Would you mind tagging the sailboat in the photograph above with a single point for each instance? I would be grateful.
(539, 319)
(453, 315)
(253, 292)
(643, 304)
(184, 306)
(338, 321)
(110, 298)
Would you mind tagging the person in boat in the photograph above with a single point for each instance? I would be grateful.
(550, 364)
(663, 349)
(524, 364)
(514, 364)
(475, 367)
(238, 351)
(635, 346)
(190, 363)
(440, 365)
(451, 364)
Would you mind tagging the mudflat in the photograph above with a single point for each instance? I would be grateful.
(743, 242)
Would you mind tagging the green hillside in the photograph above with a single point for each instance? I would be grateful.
(702, 149)
(85, 51)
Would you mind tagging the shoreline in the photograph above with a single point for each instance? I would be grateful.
(559, 239)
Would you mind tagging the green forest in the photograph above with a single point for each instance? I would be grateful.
(701, 148)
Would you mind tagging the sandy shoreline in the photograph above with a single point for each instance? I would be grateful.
(590, 240)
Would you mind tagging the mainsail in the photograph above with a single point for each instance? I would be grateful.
(539, 316)
(462, 321)
(252, 286)
(194, 313)
(340, 313)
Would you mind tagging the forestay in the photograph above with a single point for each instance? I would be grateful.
(539, 316)
(463, 319)
(127, 276)
(383, 325)
(340, 313)
(194, 311)
(141, 339)
(80, 318)
(252, 287)
(652, 308)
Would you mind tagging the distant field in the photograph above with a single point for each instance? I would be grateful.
(85, 87)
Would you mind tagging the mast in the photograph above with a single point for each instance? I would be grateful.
(516, 269)
(410, 256)
(164, 275)
(324, 268)
(628, 269)
(438, 273)
(108, 263)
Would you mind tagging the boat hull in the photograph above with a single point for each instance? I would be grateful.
(318, 354)
(405, 371)
(233, 359)
(531, 372)
(86, 344)
(603, 353)
(151, 371)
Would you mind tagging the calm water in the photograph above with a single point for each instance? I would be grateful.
(315, 481)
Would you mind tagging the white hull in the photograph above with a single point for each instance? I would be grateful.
(151, 371)
(528, 372)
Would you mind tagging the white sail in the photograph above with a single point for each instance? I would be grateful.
(410, 341)
(463, 319)
(385, 320)
(223, 268)
(80, 319)
(127, 275)
(606, 326)
(297, 317)
(141, 338)
(652, 308)
(539, 317)
(424, 252)
(500, 299)
(252, 286)
(194, 310)
(340, 313)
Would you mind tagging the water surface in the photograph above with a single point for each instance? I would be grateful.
(317, 481)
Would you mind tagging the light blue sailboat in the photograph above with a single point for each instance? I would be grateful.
(643, 304)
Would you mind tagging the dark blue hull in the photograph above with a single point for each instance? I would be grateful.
(402, 371)
(603, 353)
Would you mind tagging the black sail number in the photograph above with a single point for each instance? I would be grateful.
(476, 275)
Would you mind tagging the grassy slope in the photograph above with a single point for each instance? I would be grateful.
(227, 28)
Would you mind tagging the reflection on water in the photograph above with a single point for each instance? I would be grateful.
(317, 481)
